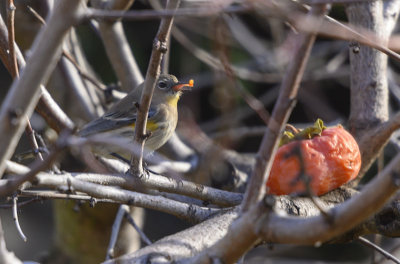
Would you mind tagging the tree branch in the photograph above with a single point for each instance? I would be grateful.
(117, 47)
(45, 53)
(283, 107)
(153, 71)
(152, 182)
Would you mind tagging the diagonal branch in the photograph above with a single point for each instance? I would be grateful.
(117, 46)
(283, 107)
(45, 53)
(46, 107)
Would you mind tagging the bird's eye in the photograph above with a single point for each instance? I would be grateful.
(162, 85)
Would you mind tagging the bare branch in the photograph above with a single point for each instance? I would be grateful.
(118, 49)
(74, 82)
(283, 107)
(15, 218)
(122, 210)
(153, 71)
(45, 53)
(386, 254)
(189, 212)
(153, 182)
(8, 187)
(154, 14)
(369, 91)
(15, 70)
(143, 236)
(315, 2)
(11, 37)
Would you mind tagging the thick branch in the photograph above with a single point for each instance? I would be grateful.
(46, 107)
(385, 222)
(369, 91)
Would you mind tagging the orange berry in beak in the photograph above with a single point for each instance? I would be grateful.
(181, 86)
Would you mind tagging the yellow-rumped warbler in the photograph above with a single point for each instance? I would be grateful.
(120, 120)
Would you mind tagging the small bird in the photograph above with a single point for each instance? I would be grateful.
(120, 120)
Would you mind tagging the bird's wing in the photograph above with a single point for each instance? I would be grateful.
(112, 120)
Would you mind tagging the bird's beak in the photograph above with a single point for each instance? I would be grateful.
(183, 86)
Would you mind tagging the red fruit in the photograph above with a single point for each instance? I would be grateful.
(330, 160)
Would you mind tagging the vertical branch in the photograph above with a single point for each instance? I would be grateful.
(369, 96)
(283, 107)
(25, 91)
(11, 37)
(153, 71)
(369, 87)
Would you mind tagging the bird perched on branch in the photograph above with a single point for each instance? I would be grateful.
(120, 120)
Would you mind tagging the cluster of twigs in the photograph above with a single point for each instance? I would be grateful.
(228, 223)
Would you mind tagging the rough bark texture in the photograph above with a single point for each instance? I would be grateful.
(369, 87)
(191, 241)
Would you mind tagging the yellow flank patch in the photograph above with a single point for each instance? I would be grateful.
(151, 126)
(173, 99)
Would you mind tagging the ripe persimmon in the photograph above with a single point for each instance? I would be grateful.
(330, 158)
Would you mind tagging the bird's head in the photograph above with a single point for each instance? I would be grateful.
(169, 89)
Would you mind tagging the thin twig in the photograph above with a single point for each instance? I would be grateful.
(122, 211)
(153, 71)
(392, 250)
(15, 71)
(20, 204)
(13, 184)
(11, 37)
(36, 15)
(142, 235)
(85, 75)
(375, 247)
(316, 2)
(69, 56)
(43, 195)
(15, 218)
(215, 63)
(251, 100)
(155, 14)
